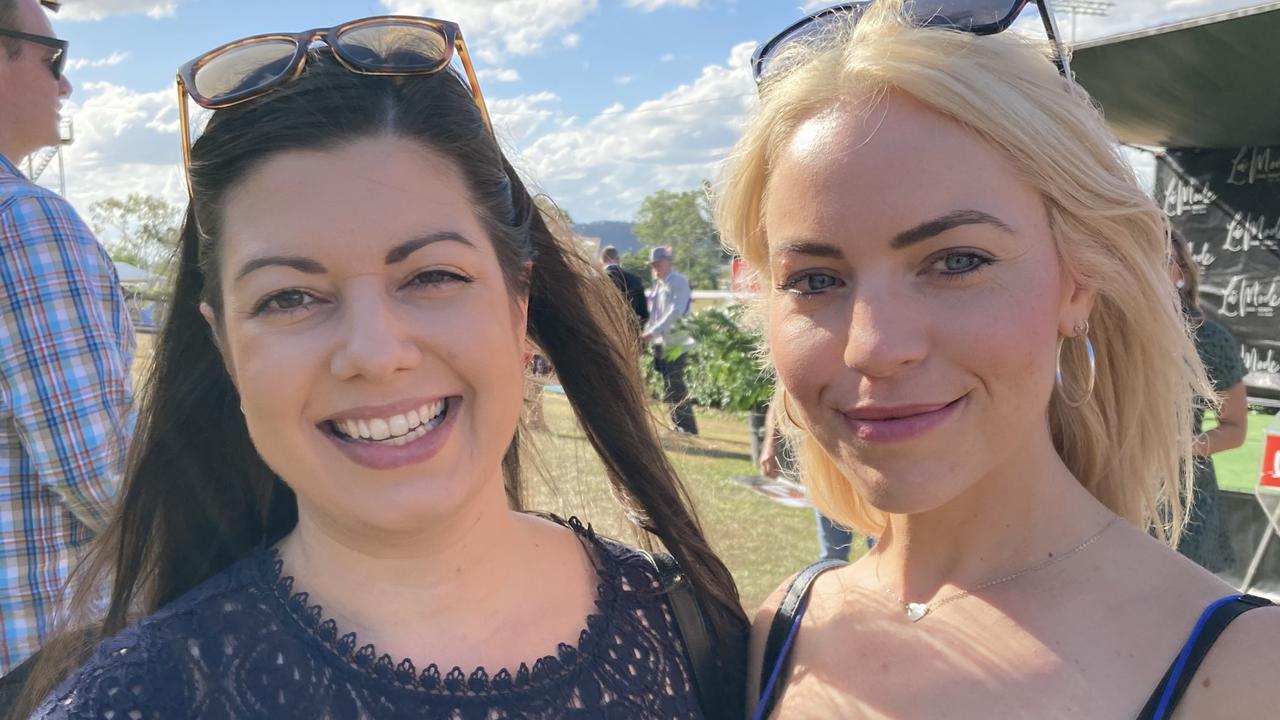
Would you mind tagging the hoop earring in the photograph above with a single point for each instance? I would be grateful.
(1081, 330)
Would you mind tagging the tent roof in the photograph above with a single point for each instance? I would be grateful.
(132, 274)
(1209, 82)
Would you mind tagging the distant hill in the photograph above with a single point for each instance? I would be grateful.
(610, 232)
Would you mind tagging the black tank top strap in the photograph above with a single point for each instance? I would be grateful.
(782, 631)
(1212, 622)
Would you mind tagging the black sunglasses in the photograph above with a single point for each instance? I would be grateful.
(979, 17)
(59, 59)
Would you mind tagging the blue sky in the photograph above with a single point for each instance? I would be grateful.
(599, 102)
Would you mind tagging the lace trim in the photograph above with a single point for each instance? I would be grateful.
(365, 658)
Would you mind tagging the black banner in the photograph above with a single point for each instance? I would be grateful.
(1227, 204)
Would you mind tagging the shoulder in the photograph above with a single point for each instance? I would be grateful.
(158, 666)
(1213, 331)
(1237, 678)
(32, 214)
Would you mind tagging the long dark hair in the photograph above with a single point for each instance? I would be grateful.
(197, 496)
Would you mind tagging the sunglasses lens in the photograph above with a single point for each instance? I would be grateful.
(962, 14)
(399, 46)
(982, 16)
(244, 68)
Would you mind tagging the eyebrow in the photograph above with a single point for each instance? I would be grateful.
(906, 238)
(311, 267)
(939, 225)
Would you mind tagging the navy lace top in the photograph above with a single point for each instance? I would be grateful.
(245, 645)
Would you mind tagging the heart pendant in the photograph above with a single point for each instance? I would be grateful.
(917, 611)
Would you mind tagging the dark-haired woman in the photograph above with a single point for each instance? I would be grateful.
(1205, 538)
(317, 521)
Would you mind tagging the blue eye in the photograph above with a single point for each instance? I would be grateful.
(811, 283)
(957, 264)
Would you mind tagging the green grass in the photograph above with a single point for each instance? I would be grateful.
(1238, 469)
(762, 542)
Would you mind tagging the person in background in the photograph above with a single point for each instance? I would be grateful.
(672, 300)
(628, 283)
(777, 459)
(323, 513)
(1205, 538)
(66, 347)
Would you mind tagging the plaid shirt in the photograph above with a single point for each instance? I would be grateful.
(66, 346)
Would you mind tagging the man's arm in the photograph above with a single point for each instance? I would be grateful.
(64, 357)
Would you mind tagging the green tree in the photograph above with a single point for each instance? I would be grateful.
(141, 230)
(638, 263)
(682, 221)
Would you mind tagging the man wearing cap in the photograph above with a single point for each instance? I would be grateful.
(66, 346)
(671, 302)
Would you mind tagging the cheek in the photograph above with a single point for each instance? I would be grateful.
(1006, 338)
(806, 350)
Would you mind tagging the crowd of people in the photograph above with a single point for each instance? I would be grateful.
(988, 356)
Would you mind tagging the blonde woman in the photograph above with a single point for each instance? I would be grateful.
(970, 314)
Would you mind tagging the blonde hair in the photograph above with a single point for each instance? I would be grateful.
(1130, 443)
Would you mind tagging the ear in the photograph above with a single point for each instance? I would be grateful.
(1077, 306)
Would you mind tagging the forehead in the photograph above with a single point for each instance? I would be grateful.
(888, 162)
(31, 18)
(350, 200)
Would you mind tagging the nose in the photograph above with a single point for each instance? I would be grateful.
(375, 342)
(64, 87)
(886, 333)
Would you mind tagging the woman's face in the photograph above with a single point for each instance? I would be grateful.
(368, 327)
(917, 301)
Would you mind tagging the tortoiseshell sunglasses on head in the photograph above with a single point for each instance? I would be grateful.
(389, 45)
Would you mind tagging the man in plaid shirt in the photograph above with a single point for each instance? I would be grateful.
(66, 345)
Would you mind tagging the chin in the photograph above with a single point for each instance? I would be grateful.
(907, 491)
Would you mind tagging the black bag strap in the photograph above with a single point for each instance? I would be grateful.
(783, 619)
(718, 674)
(1178, 677)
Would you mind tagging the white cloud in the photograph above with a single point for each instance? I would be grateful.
(125, 141)
(572, 40)
(498, 74)
(667, 57)
(517, 119)
(115, 58)
(651, 5)
(99, 9)
(600, 168)
(623, 79)
(519, 27)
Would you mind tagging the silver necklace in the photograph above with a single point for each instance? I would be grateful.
(917, 611)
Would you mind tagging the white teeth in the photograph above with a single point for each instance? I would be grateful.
(397, 429)
(399, 425)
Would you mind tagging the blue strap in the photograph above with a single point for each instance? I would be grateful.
(763, 706)
(1179, 665)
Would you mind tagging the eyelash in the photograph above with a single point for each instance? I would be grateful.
(433, 278)
(982, 261)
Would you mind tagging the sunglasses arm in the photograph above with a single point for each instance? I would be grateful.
(471, 78)
(184, 124)
(1055, 37)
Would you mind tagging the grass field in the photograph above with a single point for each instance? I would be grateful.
(1238, 469)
